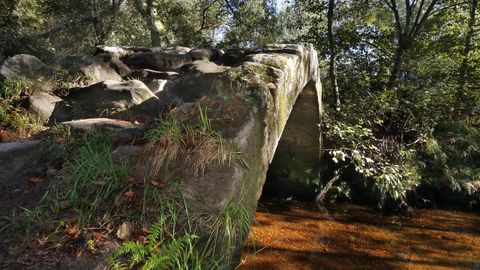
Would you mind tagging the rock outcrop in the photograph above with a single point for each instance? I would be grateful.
(30, 69)
(18, 159)
(101, 99)
(92, 68)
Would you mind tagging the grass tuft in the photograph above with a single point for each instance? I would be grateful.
(198, 147)
(18, 121)
(90, 177)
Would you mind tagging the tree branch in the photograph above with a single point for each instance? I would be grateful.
(204, 17)
(423, 19)
(232, 10)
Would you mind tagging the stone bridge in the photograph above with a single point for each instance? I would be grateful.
(277, 100)
(268, 99)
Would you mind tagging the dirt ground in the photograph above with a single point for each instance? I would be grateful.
(297, 236)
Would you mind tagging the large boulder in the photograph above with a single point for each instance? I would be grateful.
(157, 60)
(43, 104)
(18, 159)
(90, 67)
(113, 51)
(260, 95)
(157, 86)
(262, 92)
(119, 66)
(171, 50)
(257, 95)
(205, 54)
(30, 69)
(123, 131)
(201, 78)
(102, 99)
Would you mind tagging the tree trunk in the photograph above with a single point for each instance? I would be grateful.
(468, 45)
(407, 30)
(321, 196)
(331, 45)
(155, 37)
(402, 46)
(149, 17)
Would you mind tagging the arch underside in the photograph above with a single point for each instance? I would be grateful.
(295, 167)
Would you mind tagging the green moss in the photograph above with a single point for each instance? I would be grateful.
(277, 63)
(282, 112)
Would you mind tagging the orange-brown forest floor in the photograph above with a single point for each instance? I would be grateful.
(297, 236)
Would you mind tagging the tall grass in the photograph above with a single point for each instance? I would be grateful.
(90, 177)
(19, 121)
(199, 146)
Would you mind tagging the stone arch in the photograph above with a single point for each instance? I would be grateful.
(272, 84)
(296, 162)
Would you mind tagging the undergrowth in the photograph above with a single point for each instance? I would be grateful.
(13, 117)
(91, 177)
(174, 242)
(92, 194)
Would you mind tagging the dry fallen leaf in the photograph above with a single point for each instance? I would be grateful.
(129, 194)
(142, 239)
(99, 235)
(35, 179)
(5, 136)
(192, 110)
(158, 183)
(100, 182)
(163, 142)
(72, 230)
(119, 199)
(78, 253)
(212, 103)
(42, 240)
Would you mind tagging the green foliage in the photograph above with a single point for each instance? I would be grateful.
(18, 120)
(90, 177)
(392, 167)
(12, 90)
(451, 159)
(25, 221)
(173, 241)
(254, 22)
(390, 133)
(340, 192)
(43, 27)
